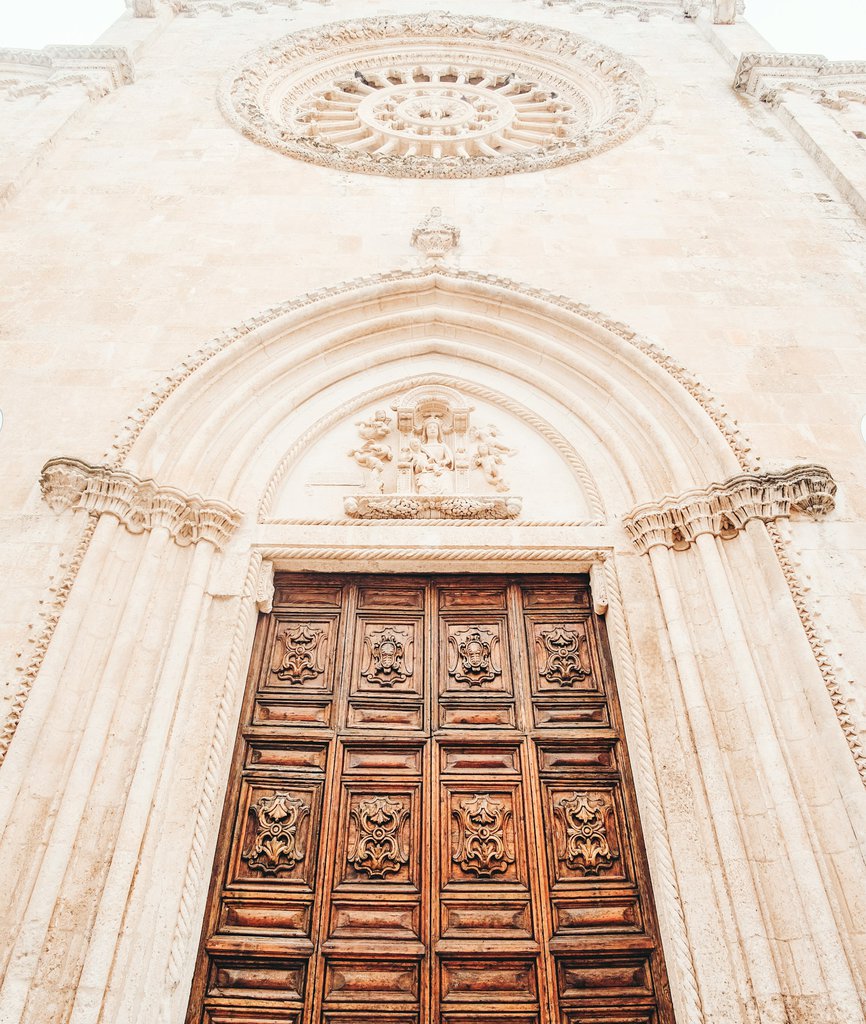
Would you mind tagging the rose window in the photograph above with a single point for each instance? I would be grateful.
(437, 96)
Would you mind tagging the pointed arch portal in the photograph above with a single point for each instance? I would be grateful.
(151, 650)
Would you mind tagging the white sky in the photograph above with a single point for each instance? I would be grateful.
(836, 28)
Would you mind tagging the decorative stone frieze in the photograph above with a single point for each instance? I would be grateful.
(431, 506)
(100, 69)
(434, 238)
(723, 11)
(139, 505)
(767, 76)
(724, 509)
(436, 95)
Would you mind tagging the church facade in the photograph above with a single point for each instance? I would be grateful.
(434, 518)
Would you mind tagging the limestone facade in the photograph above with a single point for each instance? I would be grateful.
(631, 346)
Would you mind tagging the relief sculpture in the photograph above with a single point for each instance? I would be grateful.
(276, 846)
(473, 651)
(378, 846)
(301, 659)
(482, 845)
(388, 657)
(560, 652)
(443, 468)
(586, 847)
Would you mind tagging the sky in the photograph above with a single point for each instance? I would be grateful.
(834, 28)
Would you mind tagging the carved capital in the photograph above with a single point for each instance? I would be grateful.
(99, 69)
(766, 76)
(724, 509)
(138, 504)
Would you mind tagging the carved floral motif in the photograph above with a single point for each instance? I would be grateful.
(482, 845)
(473, 650)
(378, 846)
(301, 659)
(436, 95)
(560, 651)
(585, 847)
(388, 659)
(277, 845)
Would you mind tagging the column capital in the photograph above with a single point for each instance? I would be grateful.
(724, 509)
(139, 505)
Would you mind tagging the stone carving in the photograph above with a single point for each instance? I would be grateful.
(138, 504)
(482, 845)
(445, 506)
(585, 847)
(473, 656)
(436, 95)
(265, 588)
(99, 69)
(378, 846)
(767, 76)
(389, 659)
(438, 452)
(277, 845)
(300, 661)
(434, 238)
(373, 454)
(490, 455)
(560, 652)
(724, 509)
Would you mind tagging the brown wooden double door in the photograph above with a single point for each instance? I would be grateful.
(431, 815)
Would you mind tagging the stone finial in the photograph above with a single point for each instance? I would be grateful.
(433, 237)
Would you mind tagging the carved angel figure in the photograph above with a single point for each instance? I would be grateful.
(490, 455)
(376, 428)
(372, 456)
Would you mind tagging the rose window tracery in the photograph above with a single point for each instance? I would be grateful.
(437, 95)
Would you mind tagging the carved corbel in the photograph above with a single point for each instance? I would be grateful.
(265, 588)
(722, 510)
(598, 588)
(139, 505)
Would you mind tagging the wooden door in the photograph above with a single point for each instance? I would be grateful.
(431, 816)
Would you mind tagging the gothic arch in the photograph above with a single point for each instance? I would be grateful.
(143, 611)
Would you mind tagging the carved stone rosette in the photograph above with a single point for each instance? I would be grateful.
(724, 509)
(139, 505)
(436, 95)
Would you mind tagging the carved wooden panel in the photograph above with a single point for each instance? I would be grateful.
(431, 818)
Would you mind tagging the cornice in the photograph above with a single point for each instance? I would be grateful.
(766, 75)
(101, 69)
(722, 510)
(140, 505)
